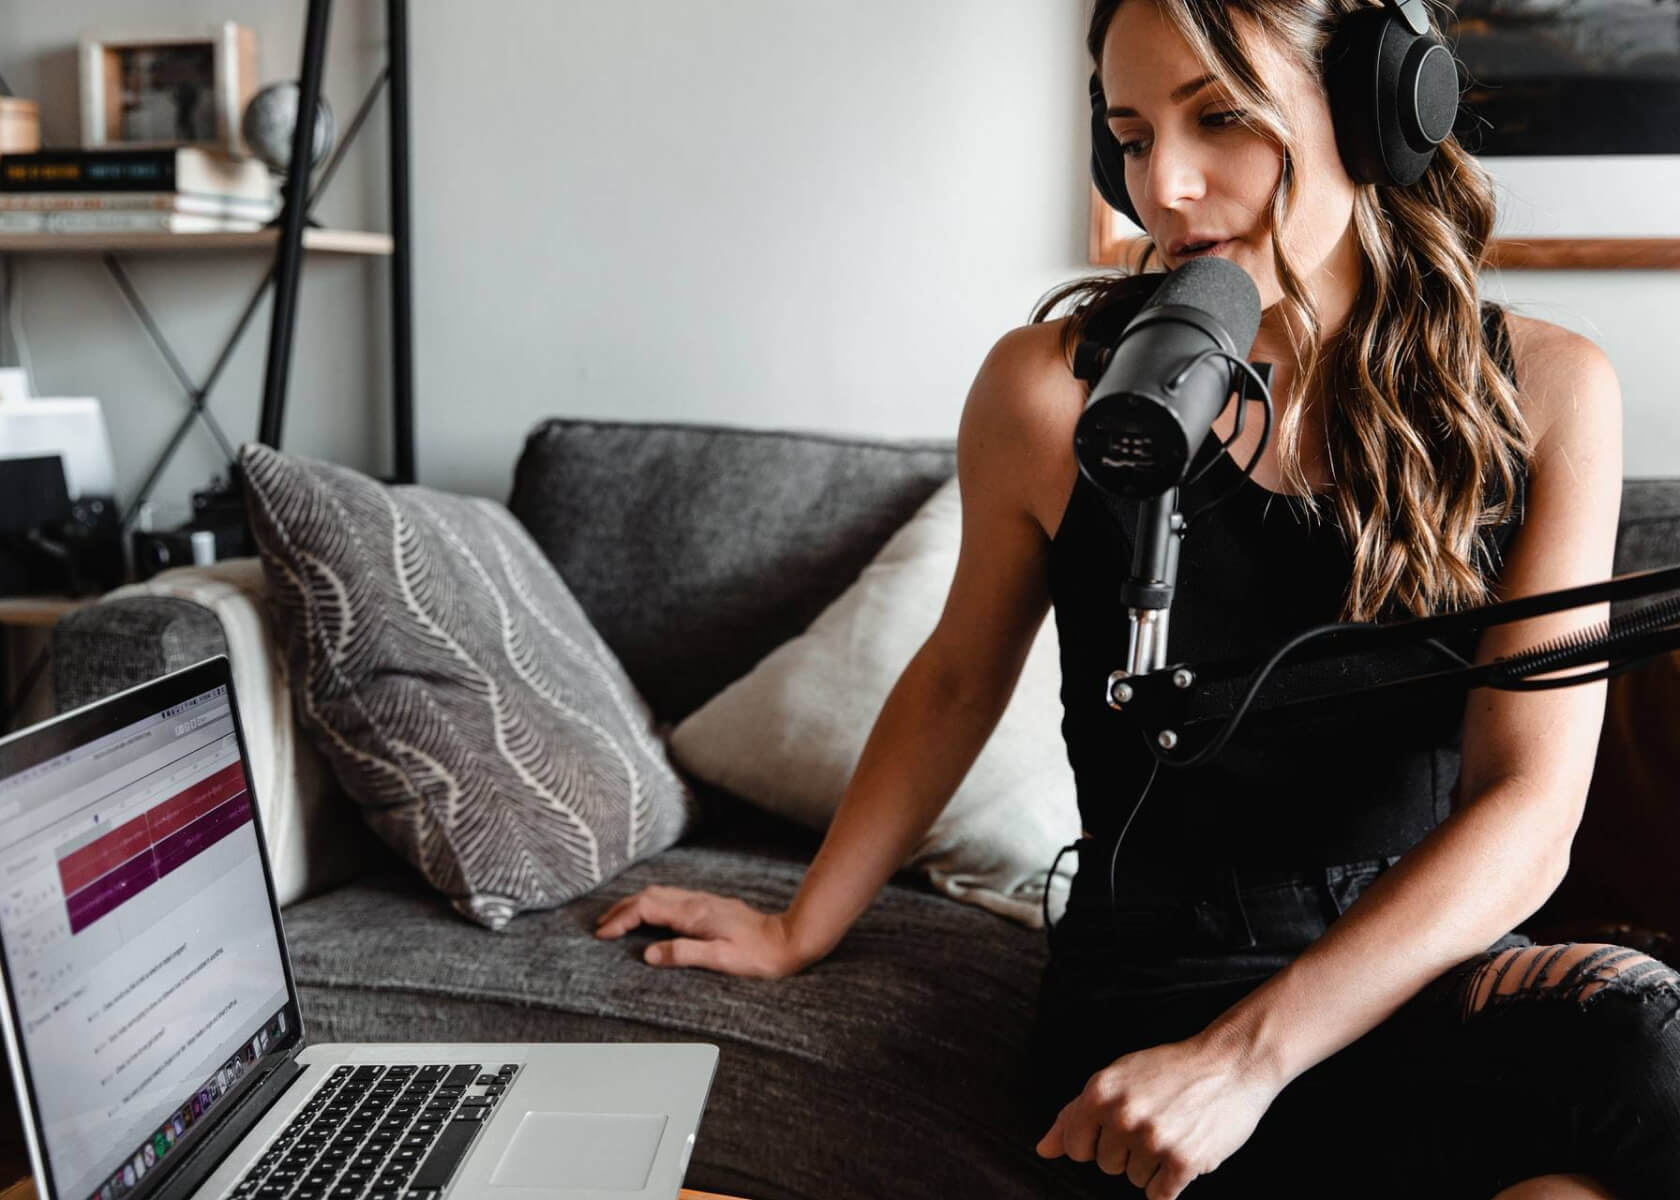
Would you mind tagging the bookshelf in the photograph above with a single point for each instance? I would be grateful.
(326, 241)
(38, 611)
(287, 243)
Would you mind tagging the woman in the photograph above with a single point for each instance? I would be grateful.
(1290, 972)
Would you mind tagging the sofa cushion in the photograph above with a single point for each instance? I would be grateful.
(1621, 865)
(788, 734)
(1648, 533)
(458, 690)
(890, 1068)
(697, 550)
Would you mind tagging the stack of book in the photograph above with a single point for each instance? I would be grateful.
(175, 189)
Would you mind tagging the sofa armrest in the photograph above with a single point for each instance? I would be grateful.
(126, 640)
(314, 837)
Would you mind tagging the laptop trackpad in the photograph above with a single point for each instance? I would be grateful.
(606, 1151)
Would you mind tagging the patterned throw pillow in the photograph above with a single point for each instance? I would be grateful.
(457, 689)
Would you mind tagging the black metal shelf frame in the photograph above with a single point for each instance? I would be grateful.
(289, 255)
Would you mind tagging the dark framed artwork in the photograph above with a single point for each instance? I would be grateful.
(1567, 77)
(1574, 107)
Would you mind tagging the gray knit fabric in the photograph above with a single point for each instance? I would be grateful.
(1648, 535)
(118, 644)
(893, 1068)
(457, 689)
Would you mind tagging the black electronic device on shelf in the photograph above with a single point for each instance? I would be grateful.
(217, 529)
(49, 543)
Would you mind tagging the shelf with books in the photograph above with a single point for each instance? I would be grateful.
(328, 241)
(160, 198)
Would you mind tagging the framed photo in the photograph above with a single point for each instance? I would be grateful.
(168, 90)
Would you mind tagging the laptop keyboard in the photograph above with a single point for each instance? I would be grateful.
(378, 1133)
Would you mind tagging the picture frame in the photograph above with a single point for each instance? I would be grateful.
(1116, 242)
(1574, 109)
(20, 125)
(183, 89)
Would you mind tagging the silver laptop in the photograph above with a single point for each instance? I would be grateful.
(153, 1028)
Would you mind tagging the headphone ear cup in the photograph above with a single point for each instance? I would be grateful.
(1108, 165)
(1393, 96)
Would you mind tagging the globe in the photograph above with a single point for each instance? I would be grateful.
(270, 119)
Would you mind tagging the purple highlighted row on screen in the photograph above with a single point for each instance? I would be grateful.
(152, 864)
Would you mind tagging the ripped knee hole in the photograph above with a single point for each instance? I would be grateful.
(1578, 970)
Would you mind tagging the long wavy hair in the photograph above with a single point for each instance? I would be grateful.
(1425, 440)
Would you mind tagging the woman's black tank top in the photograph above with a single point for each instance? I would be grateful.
(1253, 571)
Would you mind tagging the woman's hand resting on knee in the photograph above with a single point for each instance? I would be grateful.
(723, 935)
(1165, 1115)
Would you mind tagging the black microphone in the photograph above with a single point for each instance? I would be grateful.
(1156, 395)
(1147, 413)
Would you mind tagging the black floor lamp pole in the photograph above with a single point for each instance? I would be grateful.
(402, 317)
(289, 263)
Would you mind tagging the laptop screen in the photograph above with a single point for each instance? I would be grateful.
(145, 971)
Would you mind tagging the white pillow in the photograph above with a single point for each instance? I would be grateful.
(787, 736)
(311, 835)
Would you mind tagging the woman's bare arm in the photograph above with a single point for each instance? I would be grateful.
(1527, 757)
(944, 705)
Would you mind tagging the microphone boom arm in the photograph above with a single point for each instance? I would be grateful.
(1173, 702)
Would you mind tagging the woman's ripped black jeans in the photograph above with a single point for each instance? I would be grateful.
(1522, 1061)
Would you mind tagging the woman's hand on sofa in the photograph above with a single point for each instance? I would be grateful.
(724, 935)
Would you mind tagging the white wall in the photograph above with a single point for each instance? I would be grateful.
(753, 212)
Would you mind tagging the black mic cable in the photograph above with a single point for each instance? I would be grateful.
(1114, 858)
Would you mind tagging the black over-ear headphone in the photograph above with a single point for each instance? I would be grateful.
(1393, 92)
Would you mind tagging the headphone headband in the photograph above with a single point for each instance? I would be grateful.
(1413, 13)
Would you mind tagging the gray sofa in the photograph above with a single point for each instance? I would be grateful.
(892, 1068)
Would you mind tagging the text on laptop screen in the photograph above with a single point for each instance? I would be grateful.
(139, 937)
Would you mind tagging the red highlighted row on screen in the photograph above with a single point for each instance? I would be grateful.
(119, 865)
